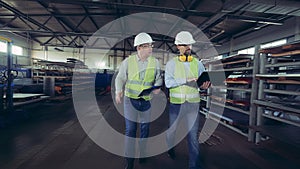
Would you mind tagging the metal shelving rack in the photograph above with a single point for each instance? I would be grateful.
(59, 70)
(278, 100)
(58, 78)
(53, 75)
(239, 66)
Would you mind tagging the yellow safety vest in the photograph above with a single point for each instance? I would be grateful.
(182, 93)
(134, 85)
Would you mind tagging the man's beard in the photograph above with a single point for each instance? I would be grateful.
(187, 52)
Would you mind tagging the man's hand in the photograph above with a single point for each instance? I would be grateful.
(119, 96)
(205, 85)
(191, 80)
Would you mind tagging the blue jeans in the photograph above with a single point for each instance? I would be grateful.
(185, 114)
(136, 112)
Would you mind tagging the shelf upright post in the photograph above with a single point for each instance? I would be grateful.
(261, 96)
(115, 59)
(274, 61)
(49, 85)
(84, 54)
(9, 90)
(209, 92)
(8, 81)
(253, 107)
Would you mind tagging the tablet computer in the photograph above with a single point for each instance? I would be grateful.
(215, 78)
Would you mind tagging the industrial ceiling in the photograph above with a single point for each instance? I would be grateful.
(70, 23)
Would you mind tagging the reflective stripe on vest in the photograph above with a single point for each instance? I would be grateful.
(189, 96)
(138, 82)
(134, 85)
(183, 93)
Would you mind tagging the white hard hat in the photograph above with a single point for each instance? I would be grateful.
(142, 38)
(184, 37)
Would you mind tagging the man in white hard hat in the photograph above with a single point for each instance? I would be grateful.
(137, 72)
(181, 73)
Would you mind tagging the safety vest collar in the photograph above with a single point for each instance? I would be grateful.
(139, 59)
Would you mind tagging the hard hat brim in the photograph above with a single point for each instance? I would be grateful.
(135, 45)
(180, 43)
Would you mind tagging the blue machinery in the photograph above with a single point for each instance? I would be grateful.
(103, 79)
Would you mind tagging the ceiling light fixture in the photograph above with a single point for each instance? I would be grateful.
(216, 35)
(262, 22)
(58, 49)
(256, 19)
(270, 23)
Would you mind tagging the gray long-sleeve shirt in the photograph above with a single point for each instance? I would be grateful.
(142, 65)
(170, 77)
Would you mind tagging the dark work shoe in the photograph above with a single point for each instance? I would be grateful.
(129, 164)
(171, 153)
(142, 160)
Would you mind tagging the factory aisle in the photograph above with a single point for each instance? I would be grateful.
(52, 138)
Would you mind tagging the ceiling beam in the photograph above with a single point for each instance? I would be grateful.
(229, 6)
(50, 39)
(9, 22)
(62, 14)
(90, 17)
(126, 6)
(63, 20)
(45, 33)
(26, 23)
(73, 40)
(193, 4)
(22, 15)
(45, 22)
(183, 5)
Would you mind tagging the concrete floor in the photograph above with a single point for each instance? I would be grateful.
(50, 137)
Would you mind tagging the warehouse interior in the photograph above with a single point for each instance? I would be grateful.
(59, 59)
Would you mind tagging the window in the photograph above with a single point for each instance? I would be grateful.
(3, 47)
(275, 43)
(17, 50)
(247, 51)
